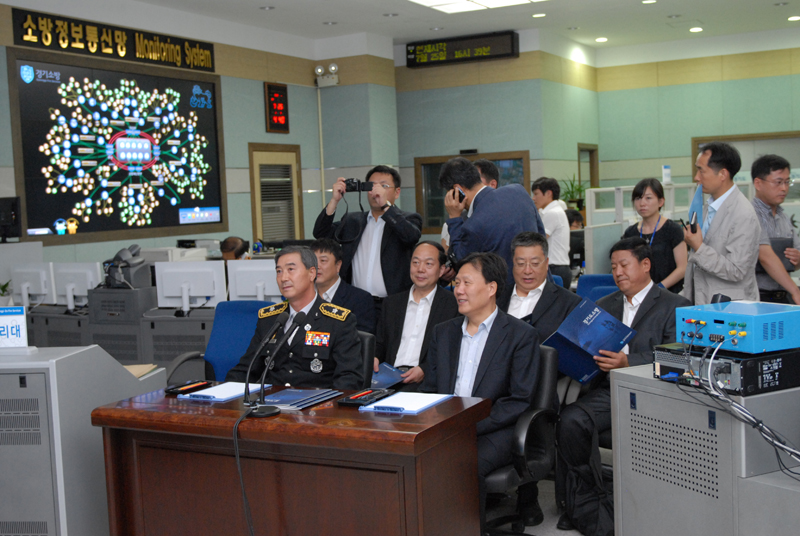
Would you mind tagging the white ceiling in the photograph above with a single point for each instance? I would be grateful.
(623, 22)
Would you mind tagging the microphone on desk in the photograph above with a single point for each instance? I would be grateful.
(263, 410)
(279, 323)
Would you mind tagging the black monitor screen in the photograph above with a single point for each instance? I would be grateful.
(9, 218)
(113, 151)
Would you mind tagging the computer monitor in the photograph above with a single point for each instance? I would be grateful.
(10, 218)
(190, 284)
(253, 280)
(33, 282)
(74, 280)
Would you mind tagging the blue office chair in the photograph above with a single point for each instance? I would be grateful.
(587, 282)
(598, 292)
(557, 279)
(234, 325)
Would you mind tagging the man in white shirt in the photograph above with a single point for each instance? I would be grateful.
(408, 317)
(546, 193)
(643, 306)
(488, 354)
(544, 305)
(376, 245)
(337, 291)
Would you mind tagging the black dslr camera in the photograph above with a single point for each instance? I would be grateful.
(355, 185)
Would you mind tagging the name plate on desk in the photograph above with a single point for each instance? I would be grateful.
(13, 329)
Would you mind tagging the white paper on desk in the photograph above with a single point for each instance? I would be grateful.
(407, 403)
(222, 392)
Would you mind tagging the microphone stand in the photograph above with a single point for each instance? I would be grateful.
(262, 410)
(279, 322)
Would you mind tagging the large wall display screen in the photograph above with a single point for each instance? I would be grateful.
(105, 150)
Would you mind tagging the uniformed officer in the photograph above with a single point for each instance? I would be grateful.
(325, 351)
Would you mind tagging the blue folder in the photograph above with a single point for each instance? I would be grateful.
(587, 330)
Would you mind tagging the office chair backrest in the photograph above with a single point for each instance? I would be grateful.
(368, 355)
(586, 282)
(558, 280)
(545, 394)
(234, 326)
(598, 292)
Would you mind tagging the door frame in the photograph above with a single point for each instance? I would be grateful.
(255, 185)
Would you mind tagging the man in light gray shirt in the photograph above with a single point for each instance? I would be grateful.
(772, 179)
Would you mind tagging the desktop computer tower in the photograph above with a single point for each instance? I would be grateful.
(50, 454)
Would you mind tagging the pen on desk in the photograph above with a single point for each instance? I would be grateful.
(191, 385)
(365, 393)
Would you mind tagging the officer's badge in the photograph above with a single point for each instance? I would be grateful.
(334, 311)
(316, 366)
(273, 310)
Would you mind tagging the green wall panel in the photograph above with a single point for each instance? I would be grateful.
(382, 125)
(569, 117)
(758, 105)
(346, 126)
(629, 124)
(493, 117)
(685, 112)
(244, 121)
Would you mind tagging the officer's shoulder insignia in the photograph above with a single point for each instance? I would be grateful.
(272, 310)
(334, 311)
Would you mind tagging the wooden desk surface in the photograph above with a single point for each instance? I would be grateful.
(327, 424)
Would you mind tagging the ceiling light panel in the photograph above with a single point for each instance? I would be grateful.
(500, 3)
(431, 3)
(459, 7)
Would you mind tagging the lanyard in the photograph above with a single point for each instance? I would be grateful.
(652, 236)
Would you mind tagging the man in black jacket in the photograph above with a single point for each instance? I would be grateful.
(335, 290)
(325, 350)
(544, 305)
(376, 245)
(641, 305)
(408, 317)
(487, 354)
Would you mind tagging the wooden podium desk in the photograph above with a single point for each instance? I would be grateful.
(170, 469)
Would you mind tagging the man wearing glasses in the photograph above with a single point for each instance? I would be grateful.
(376, 245)
(779, 247)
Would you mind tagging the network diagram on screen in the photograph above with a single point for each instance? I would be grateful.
(114, 154)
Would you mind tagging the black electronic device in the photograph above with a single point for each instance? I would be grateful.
(10, 218)
(461, 195)
(355, 185)
(741, 373)
(120, 153)
(188, 387)
(469, 48)
(693, 222)
(365, 397)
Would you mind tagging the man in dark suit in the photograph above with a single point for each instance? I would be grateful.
(495, 216)
(643, 306)
(376, 245)
(544, 305)
(338, 292)
(408, 318)
(325, 349)
(488, 354)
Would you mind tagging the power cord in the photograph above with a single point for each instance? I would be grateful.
(247, 515)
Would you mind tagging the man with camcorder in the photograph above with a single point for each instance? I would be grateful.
(377, 245)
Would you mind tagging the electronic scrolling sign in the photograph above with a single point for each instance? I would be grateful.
(490, 46)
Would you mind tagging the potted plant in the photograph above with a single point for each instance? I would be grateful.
(5, 293)
(573, 192)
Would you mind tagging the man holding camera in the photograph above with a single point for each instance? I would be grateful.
(377, 245)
